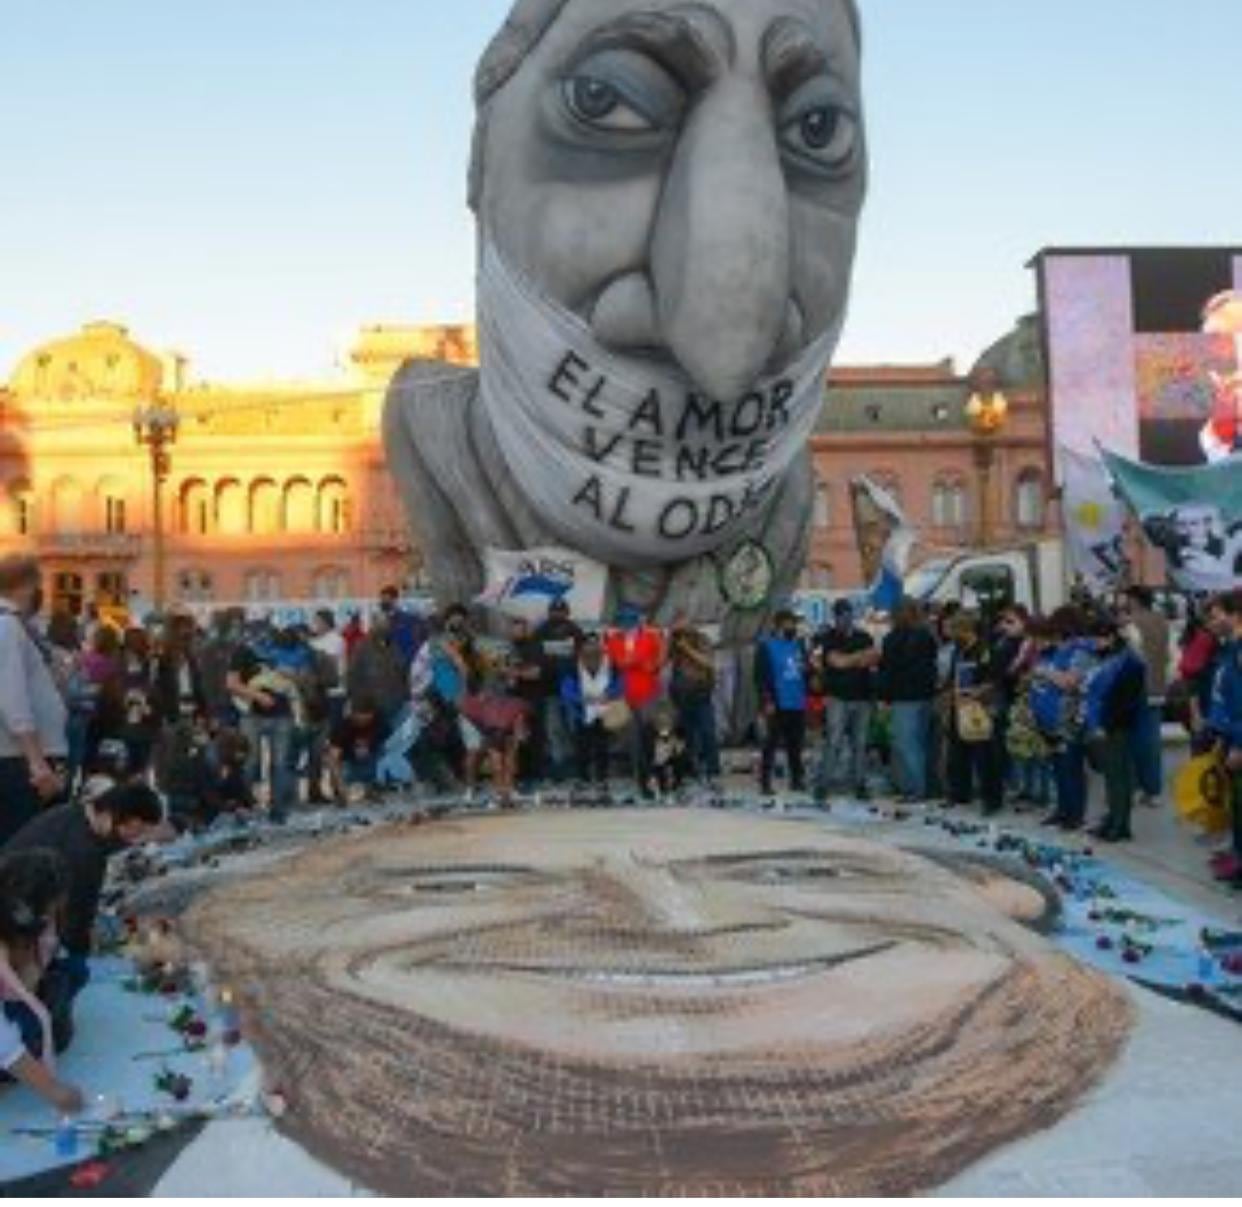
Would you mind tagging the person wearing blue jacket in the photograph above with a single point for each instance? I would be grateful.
(1057, 697)
(782, 667)
(1225, 716)
(1116, 695)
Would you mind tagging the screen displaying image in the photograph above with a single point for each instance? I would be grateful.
(1145, 352)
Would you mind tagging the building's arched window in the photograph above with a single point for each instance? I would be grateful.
(67, 500)
(231, 509)
(823, 578)
(333, 506)
(823, 505)
(112, 506)
(262, 586)
(1030, 499)
(194, 508)
(299, 506)
(195, 586)
(20, 518)
(265, 508)
(330, 583)
(949, 503)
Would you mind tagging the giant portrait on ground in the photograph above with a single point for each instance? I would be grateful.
(577, 1003)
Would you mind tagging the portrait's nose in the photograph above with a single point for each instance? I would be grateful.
(673, 904)
(721, 250)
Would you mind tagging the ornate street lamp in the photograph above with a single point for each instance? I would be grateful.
(987, 413)
(155, 428)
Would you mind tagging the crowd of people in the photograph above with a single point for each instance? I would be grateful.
(113, 737)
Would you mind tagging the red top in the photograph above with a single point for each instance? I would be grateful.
(639, 657)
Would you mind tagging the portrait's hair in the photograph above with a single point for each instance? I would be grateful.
(522, 31)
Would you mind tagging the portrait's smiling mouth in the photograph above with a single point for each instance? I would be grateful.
(751, 976)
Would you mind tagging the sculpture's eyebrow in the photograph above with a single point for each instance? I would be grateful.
(792, 55)
(674, 40)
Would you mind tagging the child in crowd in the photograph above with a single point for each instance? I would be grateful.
(33, 887)
(666, 753)
(1028, 748)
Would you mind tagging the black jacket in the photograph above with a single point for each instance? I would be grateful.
(908, 667)
(67, 831)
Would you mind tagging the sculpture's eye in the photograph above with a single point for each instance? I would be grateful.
(820, 134)
(598, 103)
(622, 92)
(825, 134)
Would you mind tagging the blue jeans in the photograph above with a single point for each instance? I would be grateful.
(1032, 779)
(697, 714)
(911, 731)
(276, 733)
(1069, 770)
(1147, 750)
(847, 727)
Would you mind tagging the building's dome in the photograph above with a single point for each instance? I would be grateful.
(100, 363)
(1018, 358)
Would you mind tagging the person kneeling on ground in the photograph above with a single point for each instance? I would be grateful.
(354, 751)
(216, 783)
(33, 885)
(85, 836)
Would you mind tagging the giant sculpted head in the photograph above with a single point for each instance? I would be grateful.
(667, 198)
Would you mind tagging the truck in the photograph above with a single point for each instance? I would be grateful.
(1031, 574)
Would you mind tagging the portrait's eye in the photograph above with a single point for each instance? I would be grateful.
(450, 882)
(796, 871)
(620, 92)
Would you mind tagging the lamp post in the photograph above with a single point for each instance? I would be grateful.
(155, 428)
(987, 413)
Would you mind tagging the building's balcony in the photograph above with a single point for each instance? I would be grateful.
(99, 546)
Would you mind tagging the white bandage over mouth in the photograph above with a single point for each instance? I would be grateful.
(622, 457)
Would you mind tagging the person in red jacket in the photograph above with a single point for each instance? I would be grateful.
(637, 652)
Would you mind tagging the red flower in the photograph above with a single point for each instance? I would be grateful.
(89, 1176)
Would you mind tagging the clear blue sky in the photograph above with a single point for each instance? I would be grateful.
(250, 179)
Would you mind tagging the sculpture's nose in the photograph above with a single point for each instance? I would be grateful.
(721, 252)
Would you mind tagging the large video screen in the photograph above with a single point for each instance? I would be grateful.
(1145, 352)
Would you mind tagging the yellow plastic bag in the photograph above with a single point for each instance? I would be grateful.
(1201, 792)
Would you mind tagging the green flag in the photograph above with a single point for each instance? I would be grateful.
(1194, 515)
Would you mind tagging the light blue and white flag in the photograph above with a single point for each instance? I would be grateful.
(1094, 522)
(885, 542)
